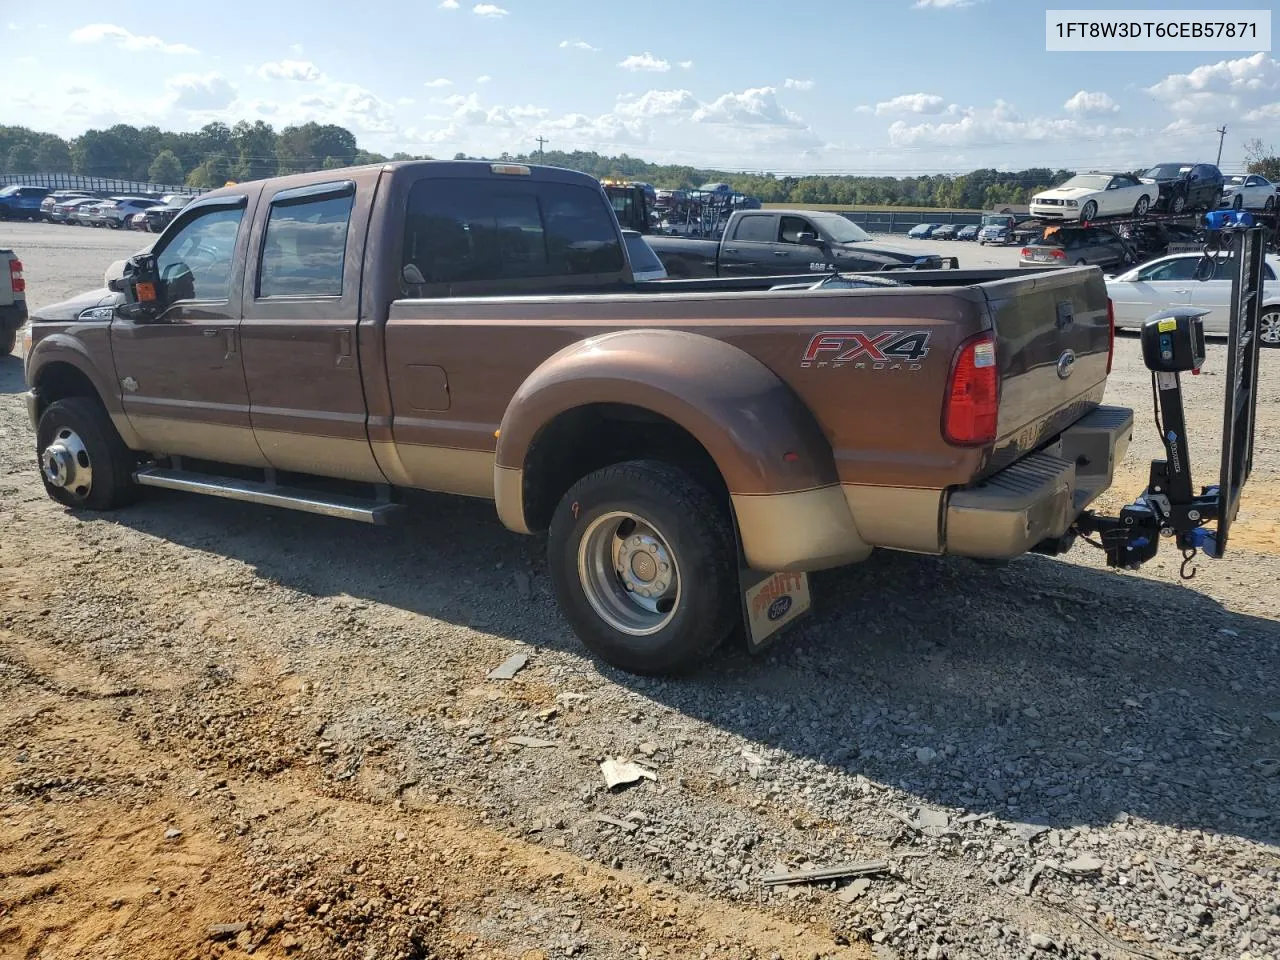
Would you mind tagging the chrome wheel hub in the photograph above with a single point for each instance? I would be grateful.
(66, 463)
(629, 573)
(1269, 328)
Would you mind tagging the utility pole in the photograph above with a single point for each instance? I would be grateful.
(1222, 135)
(542, 141)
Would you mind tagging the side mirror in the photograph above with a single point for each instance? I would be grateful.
(143, 289)
(808, 239)
(113, 276)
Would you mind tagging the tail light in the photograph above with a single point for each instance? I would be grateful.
(1111, 333)
(17, 282)
(1058, 254)
(1026, 253)
(973, 394)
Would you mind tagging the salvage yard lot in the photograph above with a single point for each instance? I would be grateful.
(215, 713)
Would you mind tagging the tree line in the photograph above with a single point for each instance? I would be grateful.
(216, 153)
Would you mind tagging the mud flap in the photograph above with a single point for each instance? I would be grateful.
(771, 602)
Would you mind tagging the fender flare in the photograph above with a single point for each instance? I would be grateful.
(62, 348)
(760, 435)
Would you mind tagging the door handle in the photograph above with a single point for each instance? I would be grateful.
(779, 253)
(344, 348)
(210, 332)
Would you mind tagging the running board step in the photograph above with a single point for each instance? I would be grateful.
(291, 498)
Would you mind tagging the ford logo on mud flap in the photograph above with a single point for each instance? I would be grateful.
(778, 609)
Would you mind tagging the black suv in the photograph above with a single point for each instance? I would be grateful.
(1185, 187)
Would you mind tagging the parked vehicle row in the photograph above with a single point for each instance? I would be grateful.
(944, 231)
(1174, 188)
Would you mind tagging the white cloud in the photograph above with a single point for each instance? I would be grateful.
(1087, 104)
(483, 78)
(1223, 87)
(438, 82)
(863, 108)
(798, 84)
(644, 61)
(1001, 126)
(686, 64)
(448, 4)
(200, 93)
(488, 10)
(303, 71)
(404, 101)
(656, 103)
(912, 103)
(110, 33)
(755, 106)
(578, 45)
(942, 4)
(1267, 113)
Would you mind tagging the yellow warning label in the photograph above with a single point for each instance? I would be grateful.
(1164, 326)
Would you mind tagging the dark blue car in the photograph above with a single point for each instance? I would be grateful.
(21, 203)
(923, 231)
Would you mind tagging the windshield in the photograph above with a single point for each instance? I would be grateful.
(1168, 171)
(8, 191)
(1087, 182)
(1235, 181)
(995, 221)
(839, 229)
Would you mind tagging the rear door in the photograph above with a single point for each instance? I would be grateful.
(301, 307)
(1215, 295)
(750, 251)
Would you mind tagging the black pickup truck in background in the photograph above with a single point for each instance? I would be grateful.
(773, 242)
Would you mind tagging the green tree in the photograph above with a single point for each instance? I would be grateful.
(255, 150)
(165, 169)
(21, 159)
(53, 155)
(214, 172)
(1263, 159)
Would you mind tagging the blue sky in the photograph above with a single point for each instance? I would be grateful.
(894, 87)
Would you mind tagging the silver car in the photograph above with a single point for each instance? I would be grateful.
(1172, 282)
(116, 211)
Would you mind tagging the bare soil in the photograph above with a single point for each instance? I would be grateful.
(216, 714)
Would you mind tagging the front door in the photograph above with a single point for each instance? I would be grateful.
(1157, 286)
(181, 381)
(300, 331)
(795, 257)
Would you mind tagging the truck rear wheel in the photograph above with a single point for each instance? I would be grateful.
(8, 340)
(641, 557)
(83, 461)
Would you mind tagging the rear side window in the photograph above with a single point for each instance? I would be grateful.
(756, 230)
(459, 230)
(305, 248)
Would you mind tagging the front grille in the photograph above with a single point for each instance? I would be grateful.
(1050, 202)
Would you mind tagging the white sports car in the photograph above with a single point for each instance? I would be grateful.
(1171, 282)
(1250, 192)
(1087, 196)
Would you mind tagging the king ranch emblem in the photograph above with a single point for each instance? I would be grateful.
(867, 350)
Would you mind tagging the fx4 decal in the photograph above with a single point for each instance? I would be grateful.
(875, 350)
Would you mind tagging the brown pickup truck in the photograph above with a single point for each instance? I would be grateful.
(691, 448)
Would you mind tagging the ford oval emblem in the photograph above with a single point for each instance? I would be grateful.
(778, 609)
(1066, 363)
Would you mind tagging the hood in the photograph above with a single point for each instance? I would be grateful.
(886, 252)
(70, 309)
(1065, 193)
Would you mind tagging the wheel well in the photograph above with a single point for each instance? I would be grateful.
(57, 381)
(588, 438)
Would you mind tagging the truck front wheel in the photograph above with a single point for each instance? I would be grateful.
(641, 557)
(83, 461)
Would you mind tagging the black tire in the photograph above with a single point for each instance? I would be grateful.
(111, 461)
(1142, 206)
(1089, 211)
(699, 532)
(1270, 205)
(1238, 203)
(1082, 262)
(8, 340)
(1177, 204)
(1269, 327)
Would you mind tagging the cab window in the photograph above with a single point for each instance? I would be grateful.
(305, 248)
(1184, 268)
(196, 260)
(792, 227)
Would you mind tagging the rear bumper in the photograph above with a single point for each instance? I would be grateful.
(1040, 496)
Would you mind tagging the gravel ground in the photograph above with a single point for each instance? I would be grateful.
(213, 713)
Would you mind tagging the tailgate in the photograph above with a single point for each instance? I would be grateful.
(6, 286)
(1053, 340)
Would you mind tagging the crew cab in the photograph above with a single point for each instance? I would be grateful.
(759, 243)
(329, 341)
